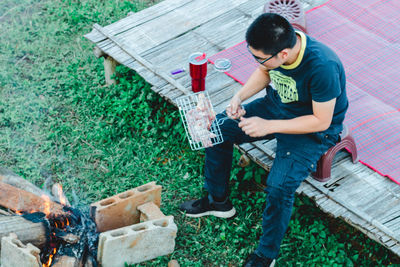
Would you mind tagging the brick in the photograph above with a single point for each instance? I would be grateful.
(121, 210)
(150, 211)
(137, 243)
(14, 253)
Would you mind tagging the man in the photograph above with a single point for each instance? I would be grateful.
(303, 109)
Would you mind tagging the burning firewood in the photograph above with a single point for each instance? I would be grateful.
(26, 230)
(11, 178)
(68, 238)
(59, 195)
(20, 200)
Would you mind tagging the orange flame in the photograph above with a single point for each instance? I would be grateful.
(63, 200)
(46, 208)
(48, 263)
(19, 212)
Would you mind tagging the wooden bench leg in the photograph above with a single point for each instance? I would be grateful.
(244, 161)
(109, 69)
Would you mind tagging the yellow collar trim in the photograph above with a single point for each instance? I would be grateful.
(301, 54)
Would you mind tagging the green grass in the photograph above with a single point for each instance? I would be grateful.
(59, 120)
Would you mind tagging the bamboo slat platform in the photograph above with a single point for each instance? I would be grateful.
(160, 38)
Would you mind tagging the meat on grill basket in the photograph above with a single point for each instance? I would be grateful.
(199, 120)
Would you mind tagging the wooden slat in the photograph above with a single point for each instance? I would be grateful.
(178, 22)
(359, 213)
(139, 18)
(390, 214)
(175, 53)
(227, 24)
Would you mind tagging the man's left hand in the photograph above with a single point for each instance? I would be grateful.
(255, 126)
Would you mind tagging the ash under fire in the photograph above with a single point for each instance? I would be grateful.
(74, 235)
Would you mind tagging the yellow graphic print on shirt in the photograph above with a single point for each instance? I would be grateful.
(285, 85)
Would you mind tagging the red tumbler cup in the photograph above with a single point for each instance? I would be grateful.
(198, 71)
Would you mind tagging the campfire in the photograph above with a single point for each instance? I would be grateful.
(61, 232)
(43, 229)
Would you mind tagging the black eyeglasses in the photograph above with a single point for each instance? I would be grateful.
(261, 60)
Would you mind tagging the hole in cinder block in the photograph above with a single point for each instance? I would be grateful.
(107, 202)
(143, 188)
(125, 195)
(162, 223)
(118, 233)
(138, 228)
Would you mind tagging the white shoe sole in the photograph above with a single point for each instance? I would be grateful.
(220, 214)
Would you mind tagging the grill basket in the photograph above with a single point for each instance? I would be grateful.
(198, 118)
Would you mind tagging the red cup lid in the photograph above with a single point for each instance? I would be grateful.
(197, 58)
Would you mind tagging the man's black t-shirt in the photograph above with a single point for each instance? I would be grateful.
(318, 75)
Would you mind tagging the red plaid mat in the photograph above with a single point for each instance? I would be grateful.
(366, 36)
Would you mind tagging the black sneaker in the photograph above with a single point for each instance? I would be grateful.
(256, 261)
(207, 206)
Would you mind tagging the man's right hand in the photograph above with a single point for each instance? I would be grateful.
(234, 110)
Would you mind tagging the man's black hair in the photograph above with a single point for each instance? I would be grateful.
(270, 33)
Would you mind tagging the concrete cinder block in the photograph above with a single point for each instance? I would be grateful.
(137, 243)
(150, 211)
(15, 253)
(121, 210)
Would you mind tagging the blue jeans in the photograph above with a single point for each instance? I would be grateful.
(296, 157)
